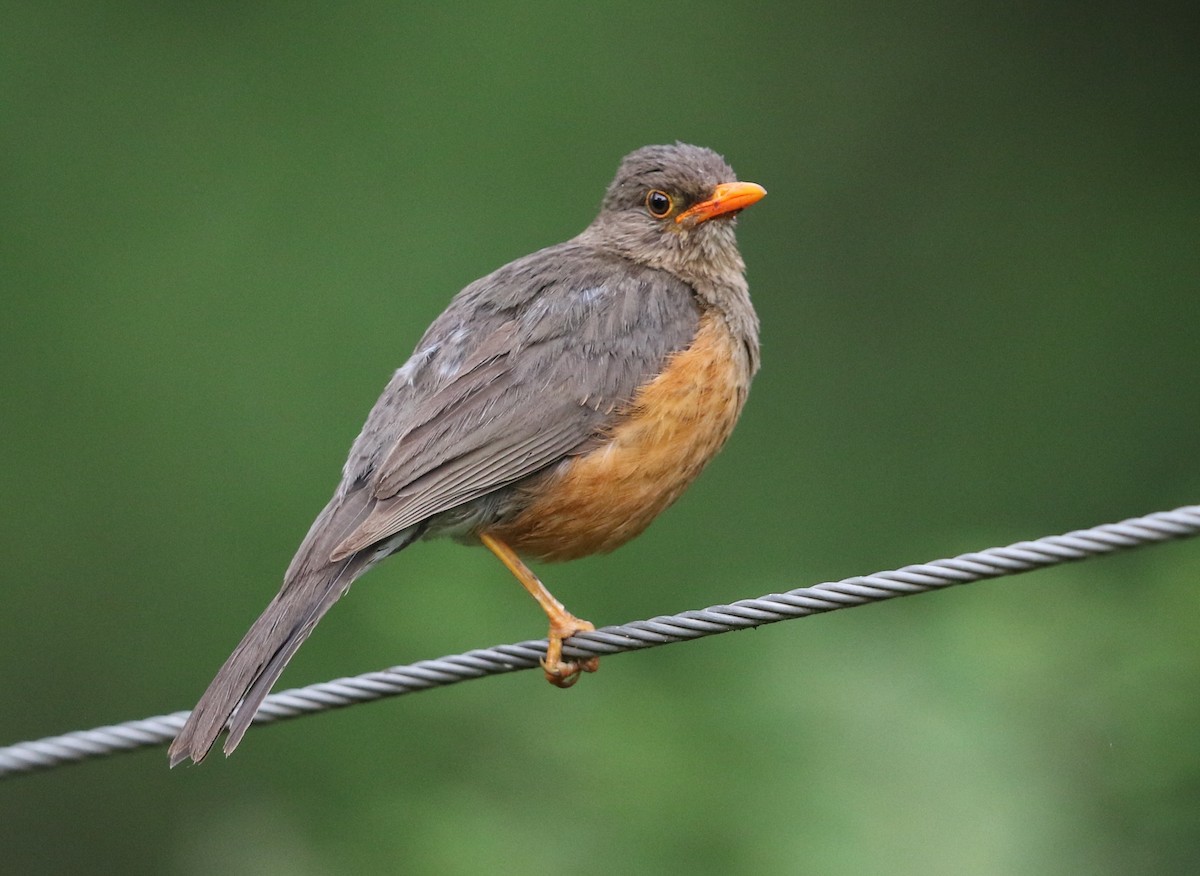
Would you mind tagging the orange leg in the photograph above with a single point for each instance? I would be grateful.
(563, 624)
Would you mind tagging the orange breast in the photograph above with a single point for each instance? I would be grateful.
(675, 425)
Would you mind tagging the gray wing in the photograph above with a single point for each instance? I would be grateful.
(523, 368)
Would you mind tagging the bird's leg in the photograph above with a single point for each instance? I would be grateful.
(563, 624)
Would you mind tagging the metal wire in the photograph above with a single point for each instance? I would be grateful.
(42, 754)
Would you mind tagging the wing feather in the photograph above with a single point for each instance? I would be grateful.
(523, 369)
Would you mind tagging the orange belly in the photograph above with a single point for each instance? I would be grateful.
(677, 422)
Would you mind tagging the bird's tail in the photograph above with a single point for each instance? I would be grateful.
(311, 586)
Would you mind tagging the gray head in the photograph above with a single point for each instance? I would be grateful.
(673, 207)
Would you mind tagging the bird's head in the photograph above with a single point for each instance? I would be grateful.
(673, 207)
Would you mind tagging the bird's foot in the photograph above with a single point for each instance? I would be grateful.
(564, 673)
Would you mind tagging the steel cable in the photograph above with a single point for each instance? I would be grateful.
(1024, 556)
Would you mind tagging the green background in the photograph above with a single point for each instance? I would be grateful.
(223, 225)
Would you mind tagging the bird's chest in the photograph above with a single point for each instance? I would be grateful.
(677, 422)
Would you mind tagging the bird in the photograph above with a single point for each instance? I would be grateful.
(552, 411)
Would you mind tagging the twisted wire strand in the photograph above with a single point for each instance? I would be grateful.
(1023, 556)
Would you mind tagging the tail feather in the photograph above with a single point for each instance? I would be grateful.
(311, 586)
(246, 678)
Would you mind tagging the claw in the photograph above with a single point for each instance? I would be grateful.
(565, 673)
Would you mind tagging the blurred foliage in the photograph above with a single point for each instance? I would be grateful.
(223, 225)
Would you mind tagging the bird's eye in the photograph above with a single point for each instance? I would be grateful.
(658, 203)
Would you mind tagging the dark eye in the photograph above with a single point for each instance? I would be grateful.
(658, 203)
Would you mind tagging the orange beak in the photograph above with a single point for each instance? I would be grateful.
(726, 198)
